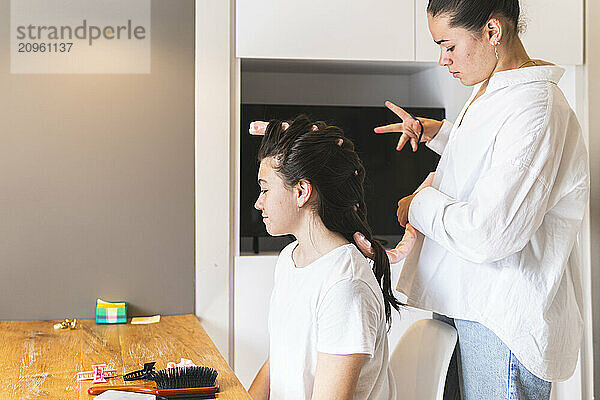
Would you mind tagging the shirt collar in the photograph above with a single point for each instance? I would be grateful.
(502, 79)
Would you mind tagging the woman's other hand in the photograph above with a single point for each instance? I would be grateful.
(410, 127)
(397, 254)
(403, 207)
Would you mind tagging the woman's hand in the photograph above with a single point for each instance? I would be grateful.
(397, 254)
(403, 207)
(410, 127)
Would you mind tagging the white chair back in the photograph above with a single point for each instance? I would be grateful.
(420, 360)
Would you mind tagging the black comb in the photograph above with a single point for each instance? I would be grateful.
(141, 374)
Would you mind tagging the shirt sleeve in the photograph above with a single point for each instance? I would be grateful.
(348, 319)
(509, 199)
(439, 141)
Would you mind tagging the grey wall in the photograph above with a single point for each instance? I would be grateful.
(97, 182)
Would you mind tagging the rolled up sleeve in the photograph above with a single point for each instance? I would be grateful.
(439, 141)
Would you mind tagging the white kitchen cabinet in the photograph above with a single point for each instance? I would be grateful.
(425, 48)
(326, 30)
(390, 30)
(554, 31)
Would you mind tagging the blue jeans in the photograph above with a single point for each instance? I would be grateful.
(485, 369)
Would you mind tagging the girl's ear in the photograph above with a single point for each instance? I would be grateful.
(302, 190)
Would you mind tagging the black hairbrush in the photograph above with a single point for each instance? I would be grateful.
(174, 383)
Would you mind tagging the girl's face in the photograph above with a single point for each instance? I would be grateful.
(469, 57)
(277, 202)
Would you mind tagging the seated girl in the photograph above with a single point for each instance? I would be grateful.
(330, 306)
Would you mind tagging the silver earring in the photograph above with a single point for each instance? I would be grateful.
(496, 50)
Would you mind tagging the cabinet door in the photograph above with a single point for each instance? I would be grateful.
(252, 292)
(425, 47)
(554, 30)
(327, 30)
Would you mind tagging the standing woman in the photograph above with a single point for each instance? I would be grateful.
(502, 214)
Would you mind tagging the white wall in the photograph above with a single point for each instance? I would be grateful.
(215, 94)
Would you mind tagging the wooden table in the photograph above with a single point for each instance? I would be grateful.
(37, 361)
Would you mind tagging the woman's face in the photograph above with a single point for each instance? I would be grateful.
(276, 201)
(469, 56)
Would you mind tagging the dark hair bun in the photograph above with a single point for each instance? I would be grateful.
(474, 14)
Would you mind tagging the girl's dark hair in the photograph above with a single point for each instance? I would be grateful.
(320, 154)
(474, 14)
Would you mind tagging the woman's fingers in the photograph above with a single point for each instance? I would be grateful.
(403, 139)
(397, 254)
(398, 111)
(417, 127)
(399, 127)
(410, 128)
(403, 249)
(364, 245)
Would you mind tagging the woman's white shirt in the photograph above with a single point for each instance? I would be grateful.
(501, 220)
(333, 305)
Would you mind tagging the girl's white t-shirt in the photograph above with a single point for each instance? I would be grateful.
(333, 305)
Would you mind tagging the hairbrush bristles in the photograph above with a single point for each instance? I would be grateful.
(186, 377)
